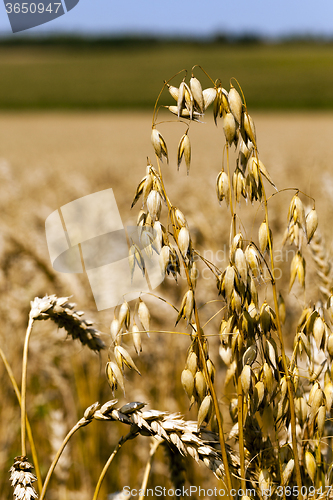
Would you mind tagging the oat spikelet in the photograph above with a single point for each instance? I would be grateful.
(184, 151)
(209, 96)
(229, 127)
(159, 145)
(236, 104)
(186, 307)
(222, 187)
(185, 113)
(136, 338)
(184, 240)
(135, 258)
(196, 90)
(62, 312)
(144, 315)
(114, 376)
(174, 91)
(311, 224)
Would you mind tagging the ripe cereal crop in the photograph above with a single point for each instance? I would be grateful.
(227, 366)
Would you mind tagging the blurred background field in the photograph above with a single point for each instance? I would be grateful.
(76, 119)
(127, 73)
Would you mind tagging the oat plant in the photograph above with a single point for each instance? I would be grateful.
(277, 376)
(281, 406)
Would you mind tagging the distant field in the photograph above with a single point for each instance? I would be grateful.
(282, 76)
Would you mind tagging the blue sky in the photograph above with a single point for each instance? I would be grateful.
(201, 18)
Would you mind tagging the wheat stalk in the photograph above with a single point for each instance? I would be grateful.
(61, 311)
(182, 435)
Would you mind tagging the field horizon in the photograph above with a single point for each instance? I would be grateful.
(127, 73)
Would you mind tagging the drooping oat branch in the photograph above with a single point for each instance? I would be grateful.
(161, 149)
(290, 387)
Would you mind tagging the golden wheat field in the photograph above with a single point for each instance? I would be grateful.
(50, 159)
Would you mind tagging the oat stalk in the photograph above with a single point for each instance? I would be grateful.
(233, 214)
(240, 394)
(291, 395)
(201, 352)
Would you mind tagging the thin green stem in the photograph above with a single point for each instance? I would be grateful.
(153, 449)
(121, 441)
(29, 432)
(24, 387)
